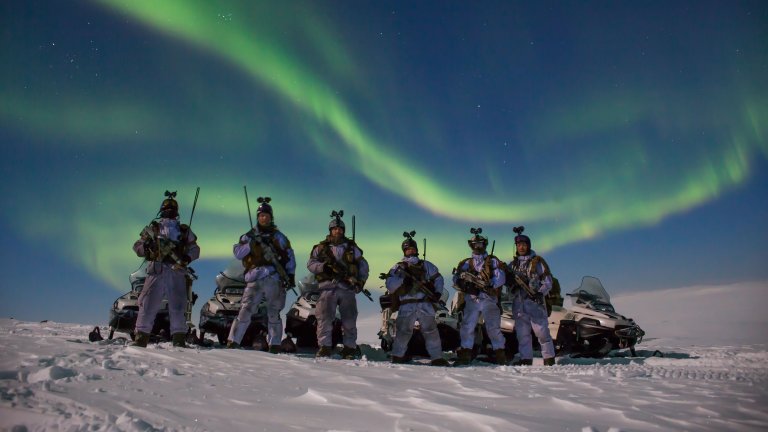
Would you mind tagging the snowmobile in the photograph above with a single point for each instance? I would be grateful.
(300, 320)
(222, 308)
(447, 326)
(125, 310)
(589, 327)
(599, 329)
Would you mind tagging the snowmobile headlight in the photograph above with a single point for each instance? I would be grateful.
(589, 321)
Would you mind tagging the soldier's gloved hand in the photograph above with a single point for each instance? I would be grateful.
(359, 287)
(328, 269)
(534, 283)
(247, 237)
(290, 283)
(148, 245)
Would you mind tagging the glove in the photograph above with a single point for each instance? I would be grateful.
(149, 245)
(534, 283)
(327, 269)
(248, 237)
(186, 259)
(290, 283)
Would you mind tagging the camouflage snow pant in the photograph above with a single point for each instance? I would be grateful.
(530, 315)
(270, 289)
(428, 327)
(325, 312)
(475, 306)
(163, 282)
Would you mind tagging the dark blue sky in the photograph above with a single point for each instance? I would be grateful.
(629, 139)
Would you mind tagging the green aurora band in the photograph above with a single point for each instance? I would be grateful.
(601, 201)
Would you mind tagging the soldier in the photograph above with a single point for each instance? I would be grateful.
(479, 279)
(528, 308)
(417, 284)
(270, 268)
(169, 246)
(341, 272)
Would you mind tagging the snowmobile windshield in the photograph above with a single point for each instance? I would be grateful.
(232, 276)
(591, 294)
(307, 284)
(137, 278)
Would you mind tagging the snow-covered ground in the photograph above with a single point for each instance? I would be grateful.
(713, 376)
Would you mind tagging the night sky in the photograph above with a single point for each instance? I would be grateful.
(629, 138)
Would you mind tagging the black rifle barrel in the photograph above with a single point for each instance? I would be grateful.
(247, 204)
(194, 204)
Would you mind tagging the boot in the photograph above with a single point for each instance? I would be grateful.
(549, 361)
(179, 340)
(141, 341)
(232, 345)
(350, 353)
(439, 362)
(523, 362)
(324, 351)
(464, 357)
(274, 349)
(399, 360)
(260, 343)
(287, 345)
(501, 357)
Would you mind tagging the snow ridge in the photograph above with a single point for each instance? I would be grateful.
(52, 378)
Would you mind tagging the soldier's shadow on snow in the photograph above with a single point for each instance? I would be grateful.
(624, 358)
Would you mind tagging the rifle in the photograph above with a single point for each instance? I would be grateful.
(476, 281)
(532, 293)
(194, 204)
(191, 296)
(165, 248)
(271, 256)
(266, 248)
(422, 286)
(344, 270)
(250, 220)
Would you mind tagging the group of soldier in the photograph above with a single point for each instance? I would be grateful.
(337, 263)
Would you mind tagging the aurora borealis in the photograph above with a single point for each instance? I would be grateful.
(624, 137)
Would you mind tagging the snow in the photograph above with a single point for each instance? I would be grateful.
(712, 377)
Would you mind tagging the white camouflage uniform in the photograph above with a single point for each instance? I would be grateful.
(335, 293)
(528, 314)
(409, 313)
(482, 303)
(262, 282)
(163, 281)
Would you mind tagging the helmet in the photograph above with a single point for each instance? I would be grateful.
(264, 206)
(477, 242)
(169, 209)
(409, 242)
(520, 237)
(336, 221)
